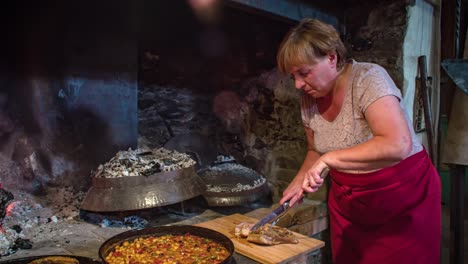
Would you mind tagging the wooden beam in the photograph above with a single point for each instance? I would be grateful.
(435, 3)
(291, 9)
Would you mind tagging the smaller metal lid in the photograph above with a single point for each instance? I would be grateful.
(230, 184)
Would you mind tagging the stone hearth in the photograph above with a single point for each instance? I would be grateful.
(81, 86)
(52, 224)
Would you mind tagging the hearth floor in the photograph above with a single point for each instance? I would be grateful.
(53, 226)
(84, 239)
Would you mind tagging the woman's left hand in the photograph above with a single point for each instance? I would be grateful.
(312, 179)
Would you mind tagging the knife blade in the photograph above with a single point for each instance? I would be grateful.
(275, 213)
(278, 211)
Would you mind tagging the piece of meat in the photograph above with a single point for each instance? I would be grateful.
(275, 235)
(243, 229)
(266, 235)
(272, 236)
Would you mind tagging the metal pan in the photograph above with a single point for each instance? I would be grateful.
(142, 192)
(223, 182)
(26, 260)
(109, 244)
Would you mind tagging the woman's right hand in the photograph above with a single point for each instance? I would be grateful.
(313, 177)
(294, 192)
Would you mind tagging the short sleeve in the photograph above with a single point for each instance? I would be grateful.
(373, 84)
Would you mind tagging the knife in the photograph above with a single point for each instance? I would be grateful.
(280, 210)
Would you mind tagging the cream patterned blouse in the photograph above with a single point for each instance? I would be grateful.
(368, 82)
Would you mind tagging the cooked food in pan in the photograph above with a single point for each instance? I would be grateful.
(168, 249)
(265, 235)
(55, 260)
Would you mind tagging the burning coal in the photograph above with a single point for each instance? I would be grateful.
(5, 198)
(6, 204)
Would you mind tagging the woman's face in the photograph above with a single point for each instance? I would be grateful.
(316, 79)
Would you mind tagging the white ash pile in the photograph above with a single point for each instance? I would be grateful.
(143, 162)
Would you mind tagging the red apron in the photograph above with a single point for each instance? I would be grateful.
(389, 216)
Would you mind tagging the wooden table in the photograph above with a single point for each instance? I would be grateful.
(282, 253)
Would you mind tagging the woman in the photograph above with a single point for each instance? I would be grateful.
(385, 194)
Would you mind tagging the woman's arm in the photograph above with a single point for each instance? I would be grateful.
(294, 191)
(390, 144)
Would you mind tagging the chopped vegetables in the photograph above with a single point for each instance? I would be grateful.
(168, 249)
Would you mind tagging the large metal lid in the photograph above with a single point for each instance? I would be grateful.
(140, 192)
(139, 179)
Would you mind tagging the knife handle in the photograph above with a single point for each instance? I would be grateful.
(325, 172)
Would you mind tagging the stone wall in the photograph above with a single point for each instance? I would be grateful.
(206, 88)
(68, 91)
(254, 115)
(375, 33)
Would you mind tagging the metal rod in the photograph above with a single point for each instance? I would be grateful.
(426, 105)
(458, 54)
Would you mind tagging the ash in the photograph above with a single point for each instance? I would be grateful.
(238, 187)
(230, 177)
(36, 218)
(143, 162)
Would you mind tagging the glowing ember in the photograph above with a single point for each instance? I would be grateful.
(5, 198)
(10, 208)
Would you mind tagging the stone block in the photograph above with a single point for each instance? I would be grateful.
(286, 175)
(305, 212)
(314, 257)
(312, 227)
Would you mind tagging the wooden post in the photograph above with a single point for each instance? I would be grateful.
(427, 106)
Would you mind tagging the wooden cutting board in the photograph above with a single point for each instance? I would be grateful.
(264, 254)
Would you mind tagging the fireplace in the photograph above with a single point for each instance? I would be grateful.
(85, 80)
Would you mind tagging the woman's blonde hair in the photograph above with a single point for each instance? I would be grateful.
(308, 41)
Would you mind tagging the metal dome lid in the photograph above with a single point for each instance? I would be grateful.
(230, 184)
(140, 179)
